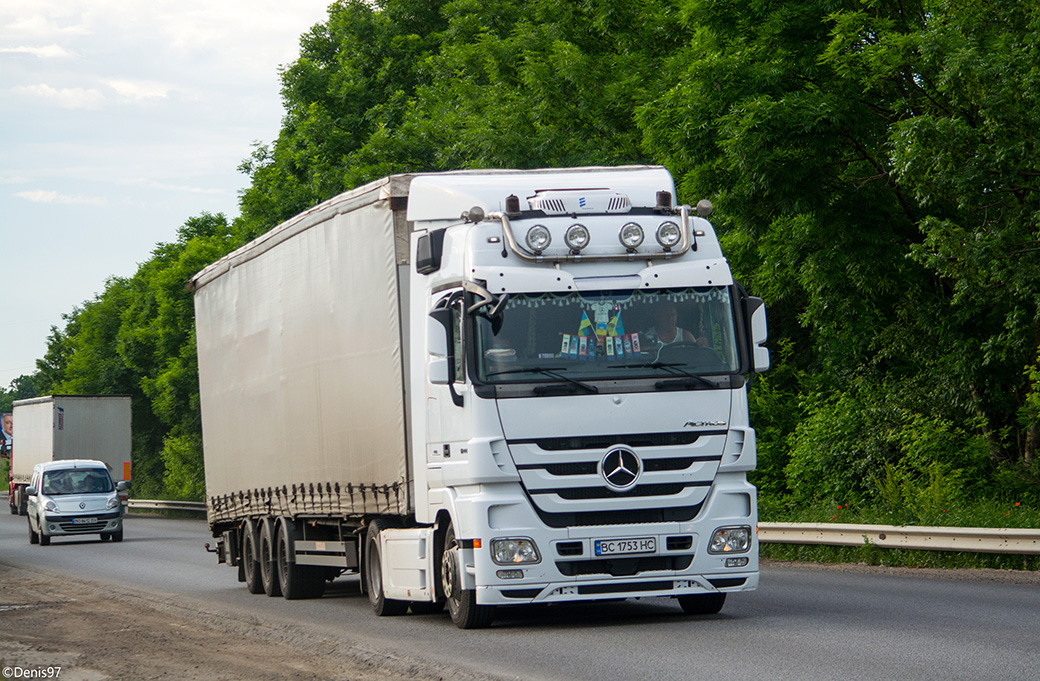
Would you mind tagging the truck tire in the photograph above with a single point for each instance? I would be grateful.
(296, 581)
(462, 603)
(250, 565)
(383, 606)
(268, 561)
(702, 604)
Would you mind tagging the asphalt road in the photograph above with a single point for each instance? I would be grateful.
(802, 623)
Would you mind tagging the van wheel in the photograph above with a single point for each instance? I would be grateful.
(45, 540)
(383, 606)
(462, 603)
(117, 536)
(296, 581)
(34, 538)
(250, 566)
(105, 537)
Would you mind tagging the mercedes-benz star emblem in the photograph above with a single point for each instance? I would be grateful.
(621, 468)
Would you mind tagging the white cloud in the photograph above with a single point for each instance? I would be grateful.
(68, 98)
(45, 52)
(45, 196)
(139, 90)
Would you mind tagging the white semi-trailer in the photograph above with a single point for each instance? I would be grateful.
(62, 427)
(484, 388)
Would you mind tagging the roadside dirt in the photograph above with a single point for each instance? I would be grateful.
(97, 633)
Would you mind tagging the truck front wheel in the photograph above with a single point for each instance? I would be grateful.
(462, 603)
(702, 604)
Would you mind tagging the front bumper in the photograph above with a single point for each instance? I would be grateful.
(62, 525)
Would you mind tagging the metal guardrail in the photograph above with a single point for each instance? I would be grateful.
(150, 504)
(970, 539)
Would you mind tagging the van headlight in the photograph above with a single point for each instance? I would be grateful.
(514, 551)
(113, 502)
(50, 507)
(730, 540)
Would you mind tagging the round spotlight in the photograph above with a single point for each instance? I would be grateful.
(669, 235)
(631, 235)
(538, 238)
(577, 237)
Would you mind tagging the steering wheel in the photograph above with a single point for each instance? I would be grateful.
(687, 352)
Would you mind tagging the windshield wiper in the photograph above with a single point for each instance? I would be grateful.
(547, 372)
(686, 379)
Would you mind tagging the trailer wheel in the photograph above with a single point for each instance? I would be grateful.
(462, 603)
(250, 566)
(383, 606)
(268, 563)
(296, 581)
(702, 604)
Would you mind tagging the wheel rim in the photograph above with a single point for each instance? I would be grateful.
(449, 575)
(375, 576)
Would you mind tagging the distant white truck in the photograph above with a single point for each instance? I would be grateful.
(62, 427)
(482, 389)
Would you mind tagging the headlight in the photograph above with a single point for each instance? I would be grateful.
(50, 507)
(538, 238)
(113, 502)
(514, 551)
(669, 234)
(631, 235)
(577, 237)
(730, 540)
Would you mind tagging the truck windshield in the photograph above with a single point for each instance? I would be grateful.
(609, 335)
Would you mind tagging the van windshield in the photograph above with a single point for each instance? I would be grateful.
(609, 335)
(76, 481)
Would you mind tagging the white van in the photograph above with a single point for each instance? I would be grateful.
(74, 497)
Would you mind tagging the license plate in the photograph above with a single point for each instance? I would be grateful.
(84, 521)
(624, 547)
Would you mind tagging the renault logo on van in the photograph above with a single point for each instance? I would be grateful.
(621, 468)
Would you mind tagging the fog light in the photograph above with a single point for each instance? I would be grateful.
(730, 540)
(737, 562)
(668, 235)
(631, 235)
(514, 551)
(510, 574)
(538, 238)
(577, 237)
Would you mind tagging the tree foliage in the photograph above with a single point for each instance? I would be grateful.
(874, 166)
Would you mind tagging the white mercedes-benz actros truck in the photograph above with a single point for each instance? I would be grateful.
(484, 388)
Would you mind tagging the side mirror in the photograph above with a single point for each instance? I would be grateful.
(759, 333)
(122, 485)
(31, 491)
(440, 349)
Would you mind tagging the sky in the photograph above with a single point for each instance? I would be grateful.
(119, 120)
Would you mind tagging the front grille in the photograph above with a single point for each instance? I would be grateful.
(570, 548)
(636, 440)
(636, 516)
(606, 493)
(83, 528)
(623, 567)
(562, 476)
